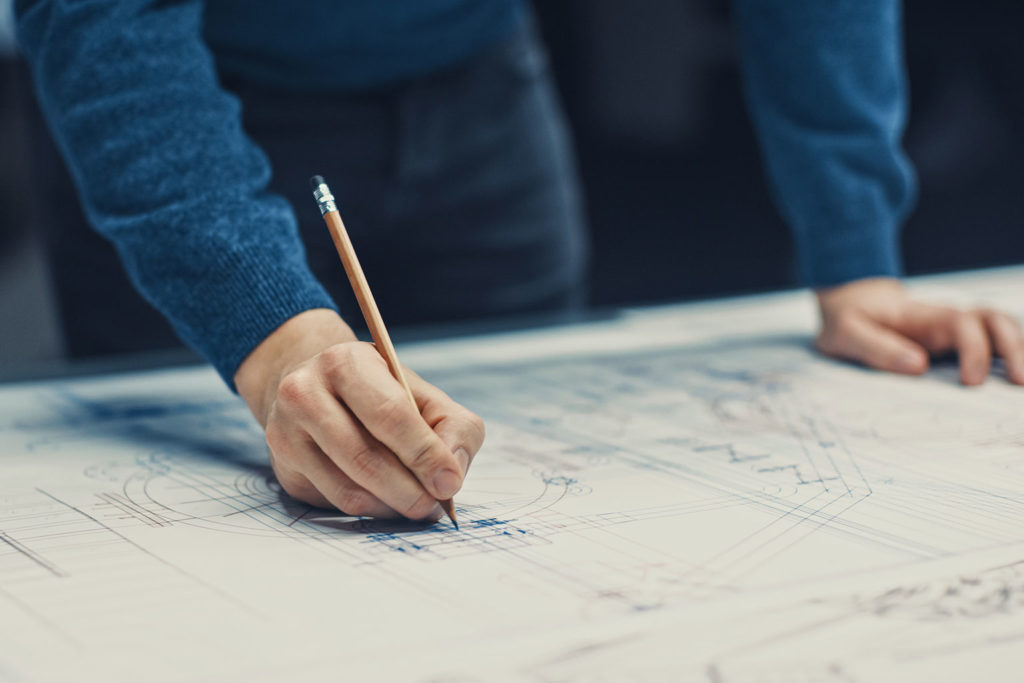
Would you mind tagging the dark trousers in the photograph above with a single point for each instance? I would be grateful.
(458, 189)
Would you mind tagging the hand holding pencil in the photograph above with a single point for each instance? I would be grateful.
(374, 321)
(346, 432)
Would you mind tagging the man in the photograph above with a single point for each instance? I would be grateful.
(437, 125)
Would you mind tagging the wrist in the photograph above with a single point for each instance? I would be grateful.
(855, 290)
(296, 341)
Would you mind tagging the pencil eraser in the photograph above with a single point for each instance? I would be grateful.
(316, 181)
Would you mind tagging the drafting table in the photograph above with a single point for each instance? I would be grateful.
(676, 493)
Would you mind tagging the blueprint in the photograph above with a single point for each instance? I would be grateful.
(684, 493)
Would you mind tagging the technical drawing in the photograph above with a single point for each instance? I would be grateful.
(735, 482)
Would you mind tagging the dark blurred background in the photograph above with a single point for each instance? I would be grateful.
(676, 199)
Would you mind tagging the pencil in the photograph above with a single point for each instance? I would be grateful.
(361, 288)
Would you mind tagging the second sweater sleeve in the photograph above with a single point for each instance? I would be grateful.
(827, 92)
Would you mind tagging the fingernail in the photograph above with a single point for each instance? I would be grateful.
(446, 483)
(462, 456)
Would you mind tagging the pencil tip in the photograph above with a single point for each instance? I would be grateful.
(449, 509)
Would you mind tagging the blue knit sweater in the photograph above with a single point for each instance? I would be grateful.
(164, 170)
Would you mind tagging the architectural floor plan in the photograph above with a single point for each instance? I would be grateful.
(685, 493)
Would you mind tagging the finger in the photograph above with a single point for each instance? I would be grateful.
(1008, 340)
(381, 480)
(459, 428)
(973, 347)
(858, 338)
(351, 450)
(302, 413)
(310, 476)
(297, 486)
(361, 379)
(933, 327)
(339, 489)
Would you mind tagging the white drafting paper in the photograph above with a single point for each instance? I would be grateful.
(694, 496)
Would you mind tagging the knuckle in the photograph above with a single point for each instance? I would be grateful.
(336, 362)
(295, 486)
(358, 506)
(420, 508)
(364, 463)
(293, 390)
(350, 500)
(392, 414)
(367, 353)
(425, 455)
(346, 499)
(340, 363)
(476, 424)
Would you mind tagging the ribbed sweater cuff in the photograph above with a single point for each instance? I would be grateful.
(842, 254)
(258, 296)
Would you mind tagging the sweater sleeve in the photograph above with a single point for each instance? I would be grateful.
(164, 170)
(827, 91)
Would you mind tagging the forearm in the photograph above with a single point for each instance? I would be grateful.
(827, 92)
(165, 171)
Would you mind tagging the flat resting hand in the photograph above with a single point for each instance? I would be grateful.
(876, 322)
(341, 431)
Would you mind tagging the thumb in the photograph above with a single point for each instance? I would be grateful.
(859, 338)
